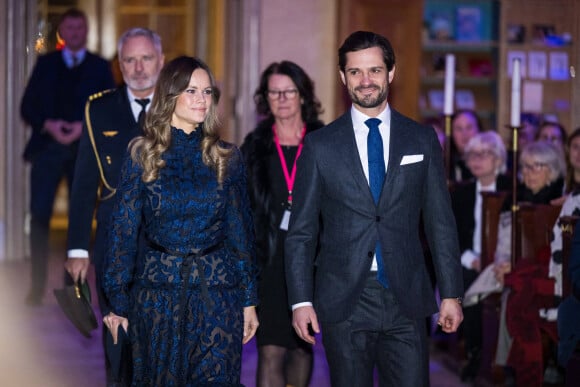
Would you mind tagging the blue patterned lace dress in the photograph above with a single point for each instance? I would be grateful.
(183, 290)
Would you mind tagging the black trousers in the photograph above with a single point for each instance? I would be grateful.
(377, 335)
(48, 168)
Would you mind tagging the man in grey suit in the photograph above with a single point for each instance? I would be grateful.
(354, 260)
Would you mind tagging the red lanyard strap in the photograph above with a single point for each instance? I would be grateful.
(288, 176)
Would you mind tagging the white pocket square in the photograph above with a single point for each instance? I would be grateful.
(410, 159)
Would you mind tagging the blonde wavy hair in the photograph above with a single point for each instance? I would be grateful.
(147, 150)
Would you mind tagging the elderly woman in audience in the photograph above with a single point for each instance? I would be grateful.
(485, 156)
(542, 168)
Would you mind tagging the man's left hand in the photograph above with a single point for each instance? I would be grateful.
(77, 268)
(450, 315)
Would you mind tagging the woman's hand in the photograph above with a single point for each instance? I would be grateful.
(559, 201)
(250, 323)
(500, 270)
(112, 321)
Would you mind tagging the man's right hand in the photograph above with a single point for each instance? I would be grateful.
(77, 268)
(302, 318)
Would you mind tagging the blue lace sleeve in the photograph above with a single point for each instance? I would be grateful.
(123, 238)
(240, 229)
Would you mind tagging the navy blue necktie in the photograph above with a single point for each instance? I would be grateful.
(376, 159)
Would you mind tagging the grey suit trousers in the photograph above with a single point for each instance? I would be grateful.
(377, 335)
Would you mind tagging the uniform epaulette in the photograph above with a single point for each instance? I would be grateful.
(99, 94)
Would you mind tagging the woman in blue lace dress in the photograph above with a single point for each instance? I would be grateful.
(180, 273)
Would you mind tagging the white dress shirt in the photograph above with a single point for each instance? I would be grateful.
(135, 106)
(67, 56)
(469, 256)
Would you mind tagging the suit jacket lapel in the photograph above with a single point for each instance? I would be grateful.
(396, 145)
(397, 140)
(348, 151)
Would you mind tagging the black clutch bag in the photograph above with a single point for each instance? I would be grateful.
(119, 356)
(75, 302)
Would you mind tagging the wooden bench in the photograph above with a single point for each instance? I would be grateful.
(535, 224)
(534, 229)
(492, 203)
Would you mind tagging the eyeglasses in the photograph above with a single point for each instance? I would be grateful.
(534, 167)
(554, 139)
(479, 155)
(277, 94)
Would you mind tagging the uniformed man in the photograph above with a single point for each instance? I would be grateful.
(112, 119)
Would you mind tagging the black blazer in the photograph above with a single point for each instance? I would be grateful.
(257, 148)
(463, 203)
(333, 202)
(39, 102)
(108, 127)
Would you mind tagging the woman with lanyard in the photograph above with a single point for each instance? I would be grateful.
(286, 100)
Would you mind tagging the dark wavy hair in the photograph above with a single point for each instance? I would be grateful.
(471, 113)
(361, 40)
(310, 105)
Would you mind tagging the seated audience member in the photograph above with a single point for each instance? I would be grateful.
(485, 156)
(572, 183)
(542, 168)
(552, 132)
(570, 207)
(437, 124)
(572, 178)
(530, 125)
(464, 125)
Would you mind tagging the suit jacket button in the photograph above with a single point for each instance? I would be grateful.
(378, 218)
(370, 254)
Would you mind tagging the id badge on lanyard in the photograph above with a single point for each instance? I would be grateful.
(290, 177)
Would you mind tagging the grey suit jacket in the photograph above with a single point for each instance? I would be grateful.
(335, 223)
